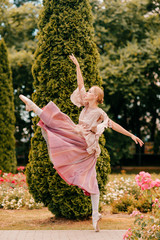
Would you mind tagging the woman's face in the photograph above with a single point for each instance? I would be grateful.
(90, 95)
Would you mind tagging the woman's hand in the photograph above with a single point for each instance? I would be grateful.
(137, 140)
(94, 129)
(74, 60)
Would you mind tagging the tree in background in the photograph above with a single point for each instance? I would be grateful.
(65, 27)
(21, 64)
(21, 27)
(8, 161)
(18, 26)
(128, 37)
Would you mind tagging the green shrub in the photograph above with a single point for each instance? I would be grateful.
(65, 27)
(123, 204)
(143, 205)
(130, 209)
(128, 203)
(8, 161)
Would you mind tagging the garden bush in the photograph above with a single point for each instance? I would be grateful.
(123, 204)
(146, 227)
(125, 195)
(144, 205)
(8, 160)
(128, 203)
(65, 27)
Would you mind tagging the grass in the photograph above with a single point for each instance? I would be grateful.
(42, 219)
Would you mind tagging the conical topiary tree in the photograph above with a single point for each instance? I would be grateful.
(8, 161)
(65, 27)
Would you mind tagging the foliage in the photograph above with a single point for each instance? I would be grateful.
(128, 203)
(21, 64)
(65, 27)
(128, 37)
(7, 118)
(123, 204)
(147, 227)
(18, 26)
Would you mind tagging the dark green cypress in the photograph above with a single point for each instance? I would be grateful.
(8, 161)
(65, 27)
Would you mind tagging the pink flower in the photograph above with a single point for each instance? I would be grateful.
(13, 181)
(142, 173)
(144, 180)
(1, 179)
(157, 183)
(145, 186)
(152, 184)
(127, 234)
(134, 213)
(21, 168)
(142, 187)
(142, 216)
(156, 200)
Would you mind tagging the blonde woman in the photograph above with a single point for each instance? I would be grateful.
(73, 149)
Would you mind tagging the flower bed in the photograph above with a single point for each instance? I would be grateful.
(119, 187)
(146, 227)
(125, 195)
(14, 192)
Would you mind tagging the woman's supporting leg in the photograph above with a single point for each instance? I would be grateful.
(95, 203)
(30, 106)
(95, 214)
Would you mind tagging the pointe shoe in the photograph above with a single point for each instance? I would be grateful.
(95, 220)
(28, 102)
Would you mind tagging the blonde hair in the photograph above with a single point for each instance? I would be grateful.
(99, 92)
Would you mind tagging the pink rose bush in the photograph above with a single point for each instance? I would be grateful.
(14, 192)
(144, 180)
(147, 227)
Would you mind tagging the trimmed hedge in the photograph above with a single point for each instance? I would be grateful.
(8, 160)
(65, 27)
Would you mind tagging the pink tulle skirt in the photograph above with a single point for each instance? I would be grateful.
(67, 150)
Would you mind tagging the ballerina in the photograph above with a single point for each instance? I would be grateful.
(73, 149)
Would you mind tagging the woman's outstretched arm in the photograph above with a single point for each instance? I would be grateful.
(120, 129)
(80, 81)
